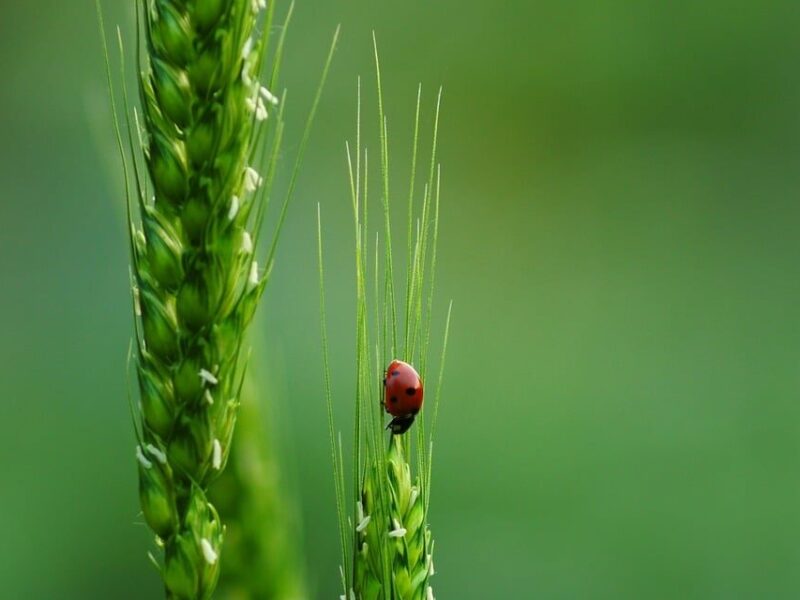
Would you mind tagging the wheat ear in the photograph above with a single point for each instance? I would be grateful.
(197, 279)
(195, 219)
(386, 543)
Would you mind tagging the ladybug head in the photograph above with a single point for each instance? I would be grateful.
(399, 425)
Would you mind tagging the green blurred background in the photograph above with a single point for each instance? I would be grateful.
(620, 238)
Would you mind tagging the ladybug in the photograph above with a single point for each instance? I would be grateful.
(403, 398)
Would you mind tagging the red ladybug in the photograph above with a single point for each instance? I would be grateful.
(403, 398)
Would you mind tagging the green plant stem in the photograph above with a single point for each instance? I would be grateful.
(261, 560)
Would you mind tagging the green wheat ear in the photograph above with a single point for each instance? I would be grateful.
(203, 168)
(386, 545)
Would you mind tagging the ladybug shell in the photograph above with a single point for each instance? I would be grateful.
(403, 389)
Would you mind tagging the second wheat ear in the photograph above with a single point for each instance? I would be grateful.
(199, 169)
(386, 543)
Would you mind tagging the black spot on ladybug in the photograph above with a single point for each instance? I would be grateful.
(411, 391)
(393, 399)
(395, 373)
(414, 411)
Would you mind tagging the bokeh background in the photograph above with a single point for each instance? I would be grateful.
(620, 239)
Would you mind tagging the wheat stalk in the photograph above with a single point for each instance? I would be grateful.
(261, 559)
(386, 544)
(195, 220)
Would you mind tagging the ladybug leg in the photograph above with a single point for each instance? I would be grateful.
(399, 425)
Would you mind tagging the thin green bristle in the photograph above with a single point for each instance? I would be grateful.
(409, 231)
(302, 149)
(335, 456)
(384, 142)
